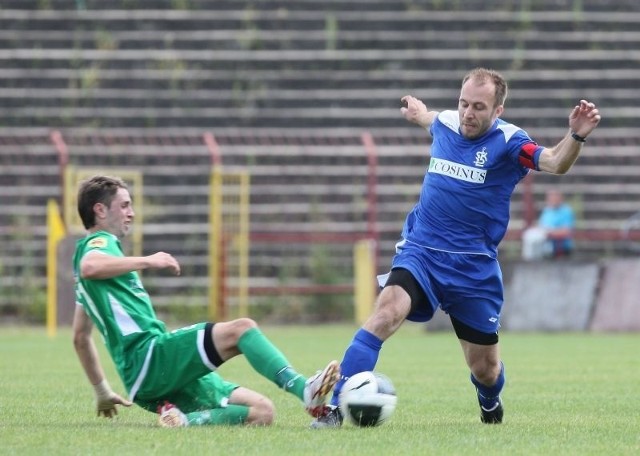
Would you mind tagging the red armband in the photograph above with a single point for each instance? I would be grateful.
(529, 154)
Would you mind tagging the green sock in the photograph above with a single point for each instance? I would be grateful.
(231, 414)
(270, 362)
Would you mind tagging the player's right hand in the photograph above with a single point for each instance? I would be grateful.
(415, 111)
(106, 405)
(163, 260)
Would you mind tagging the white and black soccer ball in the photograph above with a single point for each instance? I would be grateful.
(367, 399)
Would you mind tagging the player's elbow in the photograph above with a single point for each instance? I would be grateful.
(80, 341)
(556, 167)
(89, 271)
(553, 161)
(563, 168)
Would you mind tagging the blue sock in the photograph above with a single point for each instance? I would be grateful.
(361, 355)
(488, 395)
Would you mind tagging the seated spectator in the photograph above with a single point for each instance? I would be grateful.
(552, 236)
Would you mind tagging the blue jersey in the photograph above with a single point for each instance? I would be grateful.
(465, 196)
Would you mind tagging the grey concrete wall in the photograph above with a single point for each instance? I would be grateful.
(550, 296)
(617, 306)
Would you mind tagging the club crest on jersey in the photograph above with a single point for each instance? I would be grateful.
(98, 243)
(457, 171)
(481, 157)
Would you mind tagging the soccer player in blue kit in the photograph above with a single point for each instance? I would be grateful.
(447, 256)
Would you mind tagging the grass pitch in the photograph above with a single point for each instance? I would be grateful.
(566, 394)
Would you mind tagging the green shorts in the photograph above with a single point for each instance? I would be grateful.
(180, 372)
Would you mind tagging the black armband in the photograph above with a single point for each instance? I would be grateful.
(577, 137)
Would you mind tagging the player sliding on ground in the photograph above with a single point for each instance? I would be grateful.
(171, 373)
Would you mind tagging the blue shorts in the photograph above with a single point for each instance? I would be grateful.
(466, 286)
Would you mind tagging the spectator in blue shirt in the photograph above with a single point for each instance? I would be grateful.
(558, 220)
(552, 237)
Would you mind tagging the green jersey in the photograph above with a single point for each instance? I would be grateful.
(121, 309)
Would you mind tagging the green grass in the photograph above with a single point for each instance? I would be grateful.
(566, 394)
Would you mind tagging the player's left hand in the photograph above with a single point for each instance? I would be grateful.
(584, 118)
(106, 405)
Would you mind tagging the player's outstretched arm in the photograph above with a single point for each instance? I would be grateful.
(97, 266)
(106, 399)
(584, 118)
(415, 111)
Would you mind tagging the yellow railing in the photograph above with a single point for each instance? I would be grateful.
(228, 243)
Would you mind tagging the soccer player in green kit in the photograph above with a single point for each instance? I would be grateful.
(171, 373)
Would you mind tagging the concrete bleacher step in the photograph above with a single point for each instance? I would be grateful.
(334, 5)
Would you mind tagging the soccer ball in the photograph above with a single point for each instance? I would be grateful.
(367, 399)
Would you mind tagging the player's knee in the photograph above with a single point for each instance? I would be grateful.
(242, 325)
(261, 413)
(387, 317)
(486, 372)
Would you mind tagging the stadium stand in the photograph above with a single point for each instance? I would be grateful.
(29, 175)
(285, 86)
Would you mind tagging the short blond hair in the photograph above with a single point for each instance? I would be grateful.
(483, 75)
